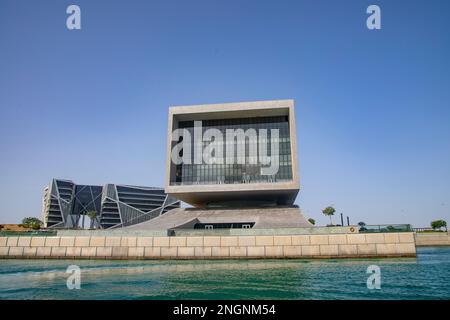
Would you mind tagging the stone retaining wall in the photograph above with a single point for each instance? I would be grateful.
(432, 239)
(210, 247)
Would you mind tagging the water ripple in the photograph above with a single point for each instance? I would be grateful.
(421, 278)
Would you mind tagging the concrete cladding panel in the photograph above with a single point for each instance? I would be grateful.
(201, 194)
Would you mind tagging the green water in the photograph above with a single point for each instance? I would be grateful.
(426, 277)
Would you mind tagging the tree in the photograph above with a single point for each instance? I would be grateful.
(32, 222)
(312, 221)
(362, 226)
(93, 216)
(329, 211)
(438, 224)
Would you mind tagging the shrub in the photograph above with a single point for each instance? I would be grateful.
(312, 221)
(31, 222)
(35, 226)
(430, 231)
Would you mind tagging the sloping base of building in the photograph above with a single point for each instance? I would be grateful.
(259, 218)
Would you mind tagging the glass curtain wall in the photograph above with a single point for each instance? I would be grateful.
(226, 173)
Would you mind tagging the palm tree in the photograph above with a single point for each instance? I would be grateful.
(329, 211)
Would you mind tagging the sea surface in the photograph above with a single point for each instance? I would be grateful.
(424, 277)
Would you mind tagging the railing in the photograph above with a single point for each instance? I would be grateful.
(427, 229)
(263, 232)
(45, 233)
(385, 228)
(119, 232)
(240, 182)
(423, 229)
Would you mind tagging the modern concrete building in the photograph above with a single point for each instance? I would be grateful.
(65, 203)
(238, 179)
(235, 163)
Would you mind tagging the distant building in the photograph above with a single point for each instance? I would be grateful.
(65, 203)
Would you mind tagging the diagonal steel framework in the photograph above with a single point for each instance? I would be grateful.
(66, 203)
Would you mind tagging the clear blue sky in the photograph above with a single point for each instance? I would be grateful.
(372, 107)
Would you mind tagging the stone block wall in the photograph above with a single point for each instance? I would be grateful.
(210, 247)
(432, 239)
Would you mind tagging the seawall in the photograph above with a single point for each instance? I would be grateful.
(432, 239)
(209, 247)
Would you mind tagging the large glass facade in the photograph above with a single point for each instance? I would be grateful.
(242, 168)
